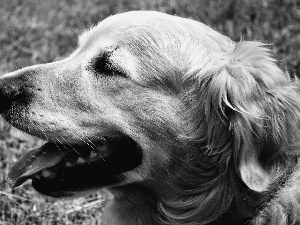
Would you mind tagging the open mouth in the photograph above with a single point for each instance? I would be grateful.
(59, 170)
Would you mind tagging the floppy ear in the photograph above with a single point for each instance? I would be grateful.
(260, 106)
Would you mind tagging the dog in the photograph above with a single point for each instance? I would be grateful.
(178, 122)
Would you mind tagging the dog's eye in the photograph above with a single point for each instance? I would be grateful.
(104, 66)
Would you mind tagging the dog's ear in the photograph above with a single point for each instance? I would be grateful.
(260, 107)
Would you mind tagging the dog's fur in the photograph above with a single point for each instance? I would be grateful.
(217, 122)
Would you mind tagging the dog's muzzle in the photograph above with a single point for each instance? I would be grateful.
(61, 169)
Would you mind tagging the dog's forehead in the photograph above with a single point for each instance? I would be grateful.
(154, 43)
(153, 26)
(117, 26)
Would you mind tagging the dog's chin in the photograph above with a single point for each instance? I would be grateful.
(74, 183)
(67, 171)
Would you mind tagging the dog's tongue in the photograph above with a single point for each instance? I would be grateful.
(34, 161)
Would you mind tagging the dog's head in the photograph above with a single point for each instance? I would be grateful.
(162, 105)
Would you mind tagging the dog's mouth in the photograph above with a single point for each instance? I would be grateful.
(60, 170)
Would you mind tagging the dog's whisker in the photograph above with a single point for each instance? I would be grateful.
(58, 145)
(69, 145)
(99, 153)
(83, 140)
(94, 147)
(43, 131)
(15, 65)
(103, 140)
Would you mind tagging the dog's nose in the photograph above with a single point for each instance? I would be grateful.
(10, 89)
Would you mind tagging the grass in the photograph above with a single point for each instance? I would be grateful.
(39, 31)
(24, 206)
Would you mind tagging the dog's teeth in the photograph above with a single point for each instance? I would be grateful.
(68, 164)
(80, 160)
(47, 173)
(105, 150)
(93, 154)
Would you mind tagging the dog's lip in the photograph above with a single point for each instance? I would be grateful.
(56, 169)
(49, 155)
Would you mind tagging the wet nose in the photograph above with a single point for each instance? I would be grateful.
(10, 89)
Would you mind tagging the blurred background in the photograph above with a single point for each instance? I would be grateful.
(40, 31)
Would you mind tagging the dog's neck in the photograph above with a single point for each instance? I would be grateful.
(285, 204)
(130, 207)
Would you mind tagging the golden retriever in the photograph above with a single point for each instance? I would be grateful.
(180, 123)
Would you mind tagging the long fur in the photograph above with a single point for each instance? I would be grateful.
(251, 111)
